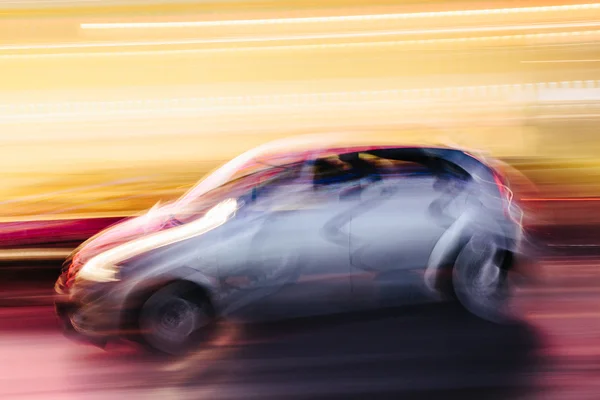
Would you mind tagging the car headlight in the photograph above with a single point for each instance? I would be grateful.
(96, 270)
(222, 211)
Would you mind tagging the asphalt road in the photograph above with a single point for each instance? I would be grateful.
(432, 351)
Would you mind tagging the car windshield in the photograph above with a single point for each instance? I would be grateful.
(228, 172)
(248, 184)
(251, 162)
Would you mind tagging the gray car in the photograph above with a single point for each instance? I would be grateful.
(300, 228)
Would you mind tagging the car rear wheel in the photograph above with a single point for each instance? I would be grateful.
(176, 318)
(479, 280)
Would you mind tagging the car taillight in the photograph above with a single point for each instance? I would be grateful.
(506, 196)
(505, 192)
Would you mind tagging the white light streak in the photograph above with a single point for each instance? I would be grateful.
(103, 267)
(255, 39)
(343, 18)
(558, 61)
(587, 34)
(153, 107)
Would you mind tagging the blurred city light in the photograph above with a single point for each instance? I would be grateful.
(110, 108)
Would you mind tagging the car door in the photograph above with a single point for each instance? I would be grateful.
(298, 259)
(393, 233)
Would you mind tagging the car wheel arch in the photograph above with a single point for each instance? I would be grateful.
(446, 252)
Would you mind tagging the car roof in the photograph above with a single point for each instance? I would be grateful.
(301, 147)
(339, 141)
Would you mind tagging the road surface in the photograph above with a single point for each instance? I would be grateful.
(433, 351)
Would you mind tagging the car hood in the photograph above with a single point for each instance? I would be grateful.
(156, 219)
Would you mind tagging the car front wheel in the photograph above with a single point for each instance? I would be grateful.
(176, 318)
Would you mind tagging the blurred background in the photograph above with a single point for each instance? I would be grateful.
(108, 107)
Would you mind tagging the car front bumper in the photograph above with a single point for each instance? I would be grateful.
(86, 315)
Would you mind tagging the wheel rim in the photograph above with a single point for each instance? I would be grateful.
(175, 322)
(177, 318)
(485, 277)
(488, 276)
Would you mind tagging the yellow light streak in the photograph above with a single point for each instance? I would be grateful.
(34, 254)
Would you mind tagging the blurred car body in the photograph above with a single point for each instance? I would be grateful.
(300, 227)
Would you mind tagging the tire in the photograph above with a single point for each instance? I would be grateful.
(479, 280)
(175, 319)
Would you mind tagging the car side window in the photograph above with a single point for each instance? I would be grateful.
(331, 170)
(425, 171)
(385, 167)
